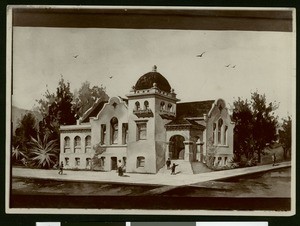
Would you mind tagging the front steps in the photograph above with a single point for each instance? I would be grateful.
(185, 167)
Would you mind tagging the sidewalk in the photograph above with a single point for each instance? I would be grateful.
(142, 179)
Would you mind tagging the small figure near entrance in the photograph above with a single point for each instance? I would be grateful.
(61, 168)
(274, 159)
(120, 168)
(168, 163)
(173, 169)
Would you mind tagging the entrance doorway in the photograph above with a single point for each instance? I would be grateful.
(114, 163)
(176, 149)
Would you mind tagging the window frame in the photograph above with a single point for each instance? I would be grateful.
(114, 131)
(77, 161)
(140, 162)
(140, 129)
(103, 133)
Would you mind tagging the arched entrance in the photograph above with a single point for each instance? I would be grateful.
(176, 147)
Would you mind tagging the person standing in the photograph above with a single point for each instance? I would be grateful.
(168, 163)
(61, 168)
(274, 159)
(120, 168)
(173, 169)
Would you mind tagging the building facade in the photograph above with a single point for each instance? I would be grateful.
(146, 128)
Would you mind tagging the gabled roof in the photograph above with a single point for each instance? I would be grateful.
(93, 112)
(124, 99)
(185, 111)
(193, 109)
(185, 123)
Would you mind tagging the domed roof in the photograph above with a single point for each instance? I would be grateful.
(148, 79)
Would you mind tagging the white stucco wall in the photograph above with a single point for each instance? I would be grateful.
(114, 108)
(82, 153)
(219, 150)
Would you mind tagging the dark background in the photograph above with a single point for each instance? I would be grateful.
(216, 19)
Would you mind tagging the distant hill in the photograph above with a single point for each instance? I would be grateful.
(17, 114)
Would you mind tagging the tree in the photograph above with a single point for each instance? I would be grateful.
(57, 109)
(25, 130)
(255, 126)
(285, 137)
(86, 96)
(43, 154)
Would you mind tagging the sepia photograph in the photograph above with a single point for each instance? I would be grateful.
(151, 110)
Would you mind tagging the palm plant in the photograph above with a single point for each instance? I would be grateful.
(18, 155)
(44, 153)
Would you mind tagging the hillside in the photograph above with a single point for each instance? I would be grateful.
(17, 113)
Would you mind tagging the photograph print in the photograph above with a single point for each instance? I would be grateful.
(161, 110)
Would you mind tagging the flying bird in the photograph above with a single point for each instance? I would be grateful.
(200, 55)
(75, 56)
(233, 66)
(110, 77)
(227, 65)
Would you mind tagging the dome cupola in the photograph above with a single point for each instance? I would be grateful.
(153, 79)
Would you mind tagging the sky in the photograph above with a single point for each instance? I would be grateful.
(259, 61)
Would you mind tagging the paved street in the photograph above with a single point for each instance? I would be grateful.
(143, 179)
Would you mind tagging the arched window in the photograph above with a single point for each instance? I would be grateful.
(162, 105)
(140, 162)
(77, 144)
(88, 144)
(124, 133)
(225, 135)
(88, 163)
(214, 132)
(114, 130)
(103, 133)
(170, 107)
(67, 148)
(77, 161)
(67, 161)
(146, 105)
(220, 127)
(137, 106)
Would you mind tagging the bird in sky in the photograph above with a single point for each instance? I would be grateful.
(200, 55)
(233, 66)
(75, 56)
(110, 77)
(227, 65)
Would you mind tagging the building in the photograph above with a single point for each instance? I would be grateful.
(148, 127)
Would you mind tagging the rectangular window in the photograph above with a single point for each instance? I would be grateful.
(141, 131)
(140, 161)
(102, 161)
(124, 133)
(103, 133)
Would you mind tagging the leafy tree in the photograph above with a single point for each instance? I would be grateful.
(43, 154)
(97, 162)
(57, 109)
(285, 137)
(86, 96)
(243, 118)
(25, 130)
(255, 126)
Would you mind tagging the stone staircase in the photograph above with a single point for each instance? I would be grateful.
(199, 167)
(184, 167)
